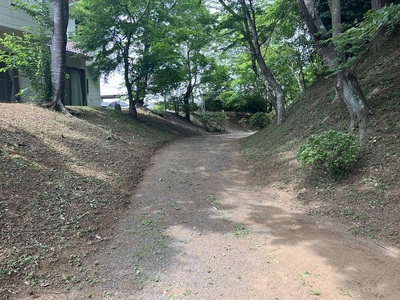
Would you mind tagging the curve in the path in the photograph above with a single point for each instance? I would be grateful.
(199, 229)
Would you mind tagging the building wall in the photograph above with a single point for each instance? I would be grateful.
(12, 20)
(93, 97)
(92, 86)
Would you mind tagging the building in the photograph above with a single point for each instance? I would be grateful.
(80, 88)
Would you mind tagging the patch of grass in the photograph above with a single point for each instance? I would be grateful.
(241, 230)
(214, 202)
(315, 292)
(345, 293)
(176, 205)
(304, 281)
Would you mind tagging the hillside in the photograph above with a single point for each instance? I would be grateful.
(64, 182)
(368, 202)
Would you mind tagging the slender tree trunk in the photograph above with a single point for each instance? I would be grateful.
(249, 31)
(186, 100)
(346, 84)
(255, 48)
(143, 81)
(297, 77)
(376, 5)
(58, 54)
(336, 17)
(141, 90)
(128, 83)
(279, 94)
(132, 102)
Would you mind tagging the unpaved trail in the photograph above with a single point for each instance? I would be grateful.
(199, 229)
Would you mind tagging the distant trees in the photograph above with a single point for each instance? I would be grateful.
(246, 15)
(252, 55)
(153, 43)
(116, 34)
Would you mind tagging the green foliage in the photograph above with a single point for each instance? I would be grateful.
(214, 122)
(332, 151)
(356, 40)
(247, 103)
(352, 11)
(178, 106)
(159, 108)
(29, 53)
(213, 104)
(259, 119)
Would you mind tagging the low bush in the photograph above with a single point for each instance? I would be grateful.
(213, 122)
(332, 151)
(259, 119)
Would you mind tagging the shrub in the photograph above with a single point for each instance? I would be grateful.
(214, 121)
(159, 108)
(332, 151)
(259, 119)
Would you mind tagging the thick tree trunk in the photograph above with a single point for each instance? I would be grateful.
(349, 90)
(58, 54)
(346, 84)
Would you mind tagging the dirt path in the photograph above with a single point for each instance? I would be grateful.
(199, 229)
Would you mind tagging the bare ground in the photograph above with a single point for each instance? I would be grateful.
(199, 227)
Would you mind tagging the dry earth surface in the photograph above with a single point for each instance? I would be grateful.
(199, 227)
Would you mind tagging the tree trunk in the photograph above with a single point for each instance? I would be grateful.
(132, 102)
(279, 94)
(141, 87)
(378, 4)
(336, 17)
(297, 77)
(58, 55)
(143, 81)
(346, 84)
(249, 31)
(255, 48)
(128, 83)
(349, 90)
(186, 98)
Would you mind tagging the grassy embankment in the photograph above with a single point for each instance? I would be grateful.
(369, 200)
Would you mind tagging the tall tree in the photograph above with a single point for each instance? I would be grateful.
(58, 54)
(245, 12)
(191, 32)
(114, 33)
(346, 83)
